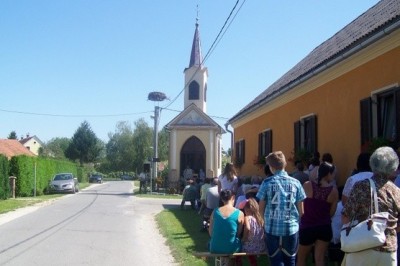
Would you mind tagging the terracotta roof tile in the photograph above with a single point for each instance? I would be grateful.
(12, 147)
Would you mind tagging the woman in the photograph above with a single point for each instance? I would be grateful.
(228, 179)
(384, 163)
(226, 225)
(315, 224)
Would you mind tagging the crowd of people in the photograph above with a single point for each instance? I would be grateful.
(290, 216)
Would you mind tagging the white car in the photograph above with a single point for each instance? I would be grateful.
(64, 182)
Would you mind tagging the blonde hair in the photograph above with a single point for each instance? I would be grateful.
(251, 208)
(276, 160)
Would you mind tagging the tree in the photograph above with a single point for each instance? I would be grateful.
(163, 144)
(56, 148)
(120, 150)
(84, 146)
(143, 143)
(12, 135)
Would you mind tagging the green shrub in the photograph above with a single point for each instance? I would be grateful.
(4, 180)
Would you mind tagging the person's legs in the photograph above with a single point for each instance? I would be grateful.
(193, 204)
(290, 246)
(182, 204)
(274, 253)
(252, 260)
(320, 249)
(303, 254)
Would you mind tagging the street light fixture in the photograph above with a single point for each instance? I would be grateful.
(155, 97)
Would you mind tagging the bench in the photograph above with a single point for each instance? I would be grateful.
(219, 258)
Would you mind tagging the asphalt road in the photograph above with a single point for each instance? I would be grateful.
(102, 225)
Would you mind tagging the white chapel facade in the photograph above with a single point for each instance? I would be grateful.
(194, 138)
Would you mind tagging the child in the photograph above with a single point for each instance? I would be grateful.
(253, 234)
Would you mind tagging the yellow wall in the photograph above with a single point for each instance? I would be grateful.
(336, 103)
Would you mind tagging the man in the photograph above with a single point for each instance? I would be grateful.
(189, 194)
(187, 173)
(299, 173)
(281, 202)
(362, 172)
(212, 202)
(142, 179)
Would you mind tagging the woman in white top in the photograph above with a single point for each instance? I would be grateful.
(228, 179)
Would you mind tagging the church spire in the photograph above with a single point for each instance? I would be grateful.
(195, 57)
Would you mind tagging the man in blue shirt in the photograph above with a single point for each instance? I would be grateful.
(281, 202)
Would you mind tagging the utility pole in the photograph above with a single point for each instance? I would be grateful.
(155, 97)
(155, 141)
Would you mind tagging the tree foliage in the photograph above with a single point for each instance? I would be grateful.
(120, 149)
(56, 148)
(84, 146)
(12, 135)
(143, 143)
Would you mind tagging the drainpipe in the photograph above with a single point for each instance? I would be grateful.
(231, 132)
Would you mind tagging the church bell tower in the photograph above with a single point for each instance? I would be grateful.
(196, 76)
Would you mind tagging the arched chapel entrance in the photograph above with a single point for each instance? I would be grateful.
(193, 153)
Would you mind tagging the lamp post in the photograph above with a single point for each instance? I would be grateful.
(155, 97)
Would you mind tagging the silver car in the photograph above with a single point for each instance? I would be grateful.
(64, 182)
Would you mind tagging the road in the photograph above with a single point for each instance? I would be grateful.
(102, 225)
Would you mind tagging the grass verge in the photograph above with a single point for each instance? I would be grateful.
(13, 204)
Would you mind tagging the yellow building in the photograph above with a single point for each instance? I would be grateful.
(340, 97)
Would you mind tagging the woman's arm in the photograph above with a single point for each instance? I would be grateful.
(240, 224)
(246, 228)
(333, 199)
(210, 227)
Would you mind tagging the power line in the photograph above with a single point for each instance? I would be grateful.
(66, 115)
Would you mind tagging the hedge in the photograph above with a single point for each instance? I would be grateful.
(24, 167)
(4, 180)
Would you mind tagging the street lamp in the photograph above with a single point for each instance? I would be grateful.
(155, 97)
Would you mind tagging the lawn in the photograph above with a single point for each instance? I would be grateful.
(182, 230)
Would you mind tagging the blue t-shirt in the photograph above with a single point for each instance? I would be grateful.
(281, 194)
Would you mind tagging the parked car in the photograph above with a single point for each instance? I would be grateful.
(126, 177)
(96, 178)
(64, 182)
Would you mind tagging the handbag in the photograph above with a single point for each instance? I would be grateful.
(357, 236)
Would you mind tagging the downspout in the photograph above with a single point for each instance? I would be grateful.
(231, 132)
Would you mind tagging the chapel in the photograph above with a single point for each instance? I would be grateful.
(194, 138)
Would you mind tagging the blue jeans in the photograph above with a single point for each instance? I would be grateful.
(284, 253)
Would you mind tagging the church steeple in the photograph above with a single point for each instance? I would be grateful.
(196, 75)
(196, 58)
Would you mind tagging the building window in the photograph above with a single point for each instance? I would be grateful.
(205, 93)
(305, 134)
(264, 143)
(380, 116)
(240, 152)
(194, 90)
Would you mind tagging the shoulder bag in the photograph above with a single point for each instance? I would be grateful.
(370, 233)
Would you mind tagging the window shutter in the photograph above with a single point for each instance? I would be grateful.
(397, 113)
(313, 134)
(243, 151)
(268, 142)
(260, 144)
(297, 136)
(365, 120)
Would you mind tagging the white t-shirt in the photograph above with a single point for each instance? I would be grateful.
(354, 179)
(226, 184)
(337, 223)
